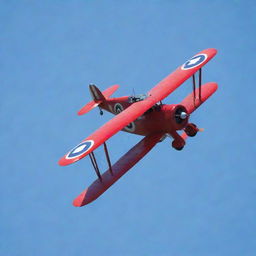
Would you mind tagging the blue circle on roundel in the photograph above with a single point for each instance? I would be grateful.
(195, 61)
(80, 149)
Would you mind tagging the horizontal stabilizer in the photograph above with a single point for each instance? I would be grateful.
(124, 164)
(206, 91)
(88, 107)
(108, 92)
(98, 98)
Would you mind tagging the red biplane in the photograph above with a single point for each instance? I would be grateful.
(143, 115)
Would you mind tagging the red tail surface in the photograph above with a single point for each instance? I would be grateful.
(98, 97)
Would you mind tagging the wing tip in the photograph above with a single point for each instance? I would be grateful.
(80, 200)
(213, 85)
(116, 86)
(80, 112)
(212, 50)
(64, 161)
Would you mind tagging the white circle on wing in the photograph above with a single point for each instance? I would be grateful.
(194, 61)
(80, 149)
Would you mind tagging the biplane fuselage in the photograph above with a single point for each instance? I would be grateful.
(159, 118)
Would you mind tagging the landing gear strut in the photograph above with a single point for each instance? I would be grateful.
(178, 142)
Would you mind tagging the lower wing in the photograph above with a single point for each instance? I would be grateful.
(124, 164)
(206, 91)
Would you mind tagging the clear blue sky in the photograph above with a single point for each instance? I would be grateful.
(200, 201)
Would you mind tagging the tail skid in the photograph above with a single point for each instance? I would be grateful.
(98, 97)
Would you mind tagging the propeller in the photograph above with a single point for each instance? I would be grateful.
(181, 115)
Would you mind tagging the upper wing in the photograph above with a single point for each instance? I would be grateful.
(106, 131)
(181, 74)
(159, 92)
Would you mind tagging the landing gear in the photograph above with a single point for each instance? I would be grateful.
(179, 148)
(101, 112)
(178, 144)
(191, 130)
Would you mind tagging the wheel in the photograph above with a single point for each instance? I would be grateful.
(191, 130)
(177, 146)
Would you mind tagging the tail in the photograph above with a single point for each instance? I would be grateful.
(97, 98)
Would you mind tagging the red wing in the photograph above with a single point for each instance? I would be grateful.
(124, 164)
(206, 91)
(181, 74)
(106, 131)
(159, 92)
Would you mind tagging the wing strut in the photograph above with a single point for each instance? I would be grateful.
(194, 89)
(95, 165)
(200, 85)
(108, 159)
(123, 165)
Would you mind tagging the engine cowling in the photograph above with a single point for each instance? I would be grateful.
(179, 116)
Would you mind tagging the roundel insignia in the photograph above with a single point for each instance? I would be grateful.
(130, 127)
(80, 149)
(118, 108)
(194, 61)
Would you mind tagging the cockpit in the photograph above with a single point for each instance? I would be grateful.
(141, 97)
(137, 98)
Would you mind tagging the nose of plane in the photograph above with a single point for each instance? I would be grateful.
(183, 115)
